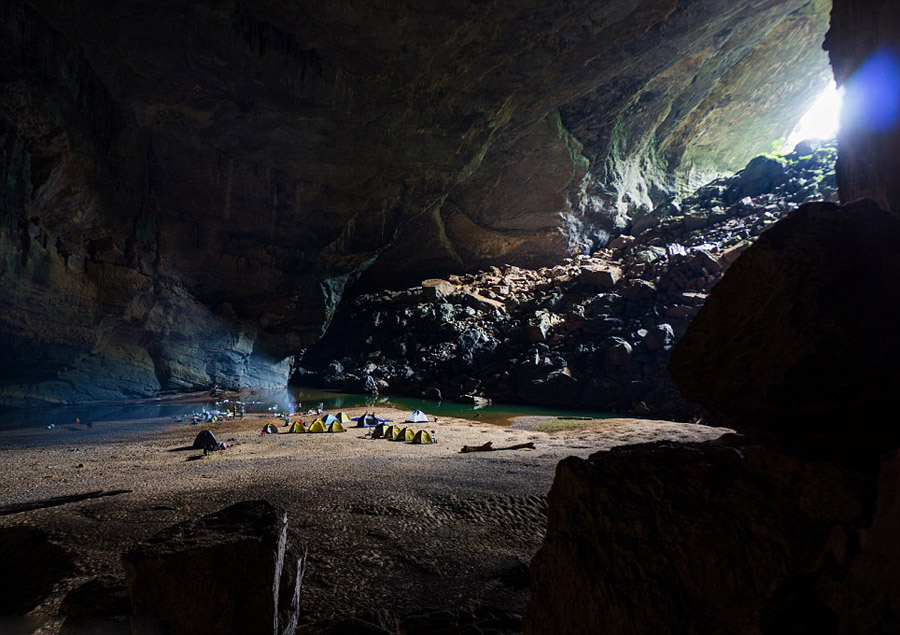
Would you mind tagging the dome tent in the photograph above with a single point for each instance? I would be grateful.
(417, 416)
(329, 419)
(423, 437)
(205, 440)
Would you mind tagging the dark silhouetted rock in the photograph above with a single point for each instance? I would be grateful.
(103, 596)
(100, 606)
(716, 538)
(219, 574)
(798, 342)
(30, 566)
(763, 174)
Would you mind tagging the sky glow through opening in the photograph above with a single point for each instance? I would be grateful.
(821, 120)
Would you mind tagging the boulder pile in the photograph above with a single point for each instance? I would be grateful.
(595, 331)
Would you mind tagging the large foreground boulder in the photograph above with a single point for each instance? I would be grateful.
(223, 573)
(799, 341)
(717, 538)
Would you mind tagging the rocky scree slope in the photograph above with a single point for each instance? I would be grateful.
(593, 332)
(189, 187)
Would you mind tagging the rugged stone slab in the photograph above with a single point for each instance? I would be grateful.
(218, 574)
(599, 276)
(798, 342)
(716, 538)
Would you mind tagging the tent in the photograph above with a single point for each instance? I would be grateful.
(423, 437)
(269, 429)
(329, 419)
(316, 426)
(297, 426)
(391, 432)
(336, 426)
(205, 440)
(367, 421)
(343, 417)
(378, 431)
(406, 434)
(417, 416)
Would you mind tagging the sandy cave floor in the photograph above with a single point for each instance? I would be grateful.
(388, 525)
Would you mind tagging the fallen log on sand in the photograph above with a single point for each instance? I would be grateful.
(16, 508)
(489, 447)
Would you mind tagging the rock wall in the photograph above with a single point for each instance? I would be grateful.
(191, 187)
(868, 68)
(594, 331)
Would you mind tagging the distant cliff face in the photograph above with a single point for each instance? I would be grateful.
(190, 187)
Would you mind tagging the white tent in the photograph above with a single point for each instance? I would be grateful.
(417, 416)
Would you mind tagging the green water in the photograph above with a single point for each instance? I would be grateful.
(499, 414)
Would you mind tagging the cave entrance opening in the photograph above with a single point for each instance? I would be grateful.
(821, 120)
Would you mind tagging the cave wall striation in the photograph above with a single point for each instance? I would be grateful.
(190, 188)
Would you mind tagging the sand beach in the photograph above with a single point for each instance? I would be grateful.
(387, 524)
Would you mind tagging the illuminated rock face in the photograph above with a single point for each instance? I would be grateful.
(189, 188)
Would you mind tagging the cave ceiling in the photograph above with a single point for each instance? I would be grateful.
(191, 187)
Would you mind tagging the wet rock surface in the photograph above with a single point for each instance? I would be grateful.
(593, 332)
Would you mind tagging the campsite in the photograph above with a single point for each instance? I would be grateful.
(388, 525)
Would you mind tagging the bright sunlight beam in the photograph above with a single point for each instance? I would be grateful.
(821, 120)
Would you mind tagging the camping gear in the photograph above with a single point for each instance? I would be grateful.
(406, 434)
(269, 429)
(297, 426)
(335, 426)
(343, 417)
(205, 440)
(378, 431)
(367, 421)
(423, 437)
(417, 416)
(391, 432)
(329, 419)
(316, 426)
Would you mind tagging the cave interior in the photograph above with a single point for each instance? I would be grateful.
(198, 194)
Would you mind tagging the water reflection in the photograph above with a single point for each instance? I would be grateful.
(287, 400)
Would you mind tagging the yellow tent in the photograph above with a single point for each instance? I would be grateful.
(317, 426)
(423, 437)
(406, 434)
(378, 431)
(343, 417)
(391, 433)
(335, 426)
(297, 426)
